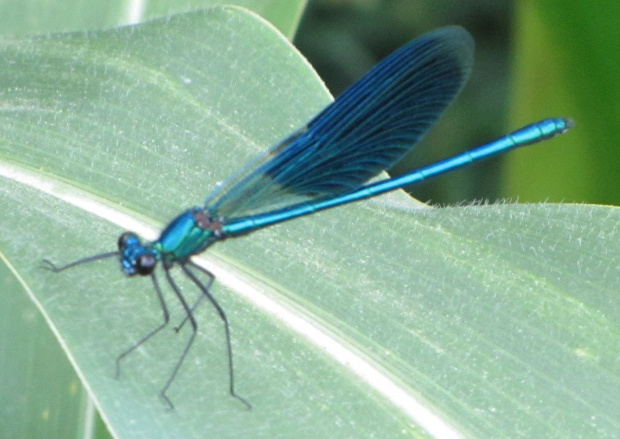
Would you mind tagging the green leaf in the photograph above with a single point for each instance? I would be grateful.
(380, 319)
(37, 388)
(28, 17)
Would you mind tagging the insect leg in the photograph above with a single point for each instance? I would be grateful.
(192, 320)
(164, 308)
(222, 314)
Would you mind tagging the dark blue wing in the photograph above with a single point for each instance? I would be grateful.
(364, 131)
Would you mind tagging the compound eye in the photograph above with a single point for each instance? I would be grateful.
(146, 264)
(125, 239)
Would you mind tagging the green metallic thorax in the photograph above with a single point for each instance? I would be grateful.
(190, 233)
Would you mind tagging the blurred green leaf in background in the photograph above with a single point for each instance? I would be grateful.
(480, 321)
(565, 60)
